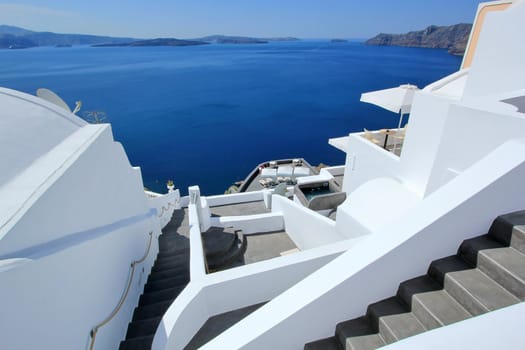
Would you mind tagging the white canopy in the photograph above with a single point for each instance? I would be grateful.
(397, 100)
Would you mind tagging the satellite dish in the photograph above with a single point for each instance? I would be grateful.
(50, 96)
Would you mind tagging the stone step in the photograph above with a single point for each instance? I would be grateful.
(170, 265)
(172, 258)
(518, 238)
(162, 295)
(389, 306)
(166, 283)
(364, 342)
(476, 292)
(436, 309)
(416, 285)
(323, 344)
(503, 226)
(217, 241)
(438, 268)
(357, 327)
(399, 326)
(168, 273)
(505, 266)
(139, 343)
(144, 312)
(224, 261)
(143, 328)
(469, 249)
(169, 252)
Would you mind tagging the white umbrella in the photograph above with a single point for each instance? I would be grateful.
(397, 100)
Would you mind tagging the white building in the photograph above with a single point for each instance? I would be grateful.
(74, 216)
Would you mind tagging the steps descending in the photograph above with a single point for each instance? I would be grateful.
(486, 274)
(224, 248)
(169, 275)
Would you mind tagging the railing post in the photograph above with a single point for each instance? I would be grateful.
(195, 198)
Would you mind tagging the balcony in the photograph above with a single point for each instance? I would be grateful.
(390, 140)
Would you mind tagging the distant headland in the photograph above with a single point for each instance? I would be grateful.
(454, 38)
(155, 42)
(19, 38)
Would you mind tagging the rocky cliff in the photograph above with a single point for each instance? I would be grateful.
(454, 38)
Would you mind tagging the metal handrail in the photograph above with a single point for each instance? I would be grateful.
(94, 330)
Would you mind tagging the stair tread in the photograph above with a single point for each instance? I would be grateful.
(323, 344)
(416, 285)
(144, 312)
(469, 249)
(477, 292)
(437, 308)
(438, 268)
(162, 295)
(395, 327)
(224, 261)
(502, 227)
(139, 343)
(385, 307)
(218, 241)
(364, 342)
(505, 266)
(168, 273)
(141, 328)
(166, 283)
(353, 328)
(518, 238)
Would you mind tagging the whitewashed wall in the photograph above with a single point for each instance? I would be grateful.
(469, 134)
(342, 289)
(498, 63)
(81, 233)
(306, 228)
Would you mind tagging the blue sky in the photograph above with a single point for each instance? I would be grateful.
(194, 18)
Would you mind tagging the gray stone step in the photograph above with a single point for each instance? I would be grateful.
(476, 292)
(505, 266)
(438, 308)
(364, 342)
(166, 283)
(143, 328)
(163, 295)
(323, 344)
(396, 327)
(503, 226)
(168, 273)
(518, 238)
(145, 312)
(139, 343)
(357, 334)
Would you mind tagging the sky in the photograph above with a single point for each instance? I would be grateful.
(262, 18)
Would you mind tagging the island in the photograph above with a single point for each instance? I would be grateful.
(454, 38)
(225, 39)
(12, 37)
(338, 41)
(155, 42)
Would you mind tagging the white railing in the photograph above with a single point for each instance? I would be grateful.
(234, 198)
(198, 266)
(164, 204)
(113, 313)
(372, 270)
(305, 227)
(236, 288)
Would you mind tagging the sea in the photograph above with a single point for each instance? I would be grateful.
(207, 115)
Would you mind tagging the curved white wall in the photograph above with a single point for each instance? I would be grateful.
(31, 127)
(86, 223)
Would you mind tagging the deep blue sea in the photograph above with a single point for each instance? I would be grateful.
(208, 114)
